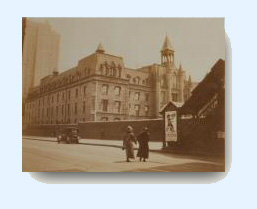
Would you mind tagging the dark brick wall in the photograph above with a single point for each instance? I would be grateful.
(116, 129)
(113, 130)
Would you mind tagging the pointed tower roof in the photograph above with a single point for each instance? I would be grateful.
(189, 79)
(100, 48)
(180, 67)
(167, 44)
(180, 70)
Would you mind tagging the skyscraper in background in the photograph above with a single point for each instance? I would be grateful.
(40, 53)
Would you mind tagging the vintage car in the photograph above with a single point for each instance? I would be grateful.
(68, 135)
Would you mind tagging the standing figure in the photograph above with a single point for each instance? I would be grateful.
(143, 139)
(128, 143)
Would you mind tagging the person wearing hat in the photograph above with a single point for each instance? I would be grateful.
(143, 139)
(128, 143)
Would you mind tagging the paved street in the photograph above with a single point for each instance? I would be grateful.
(45, 155)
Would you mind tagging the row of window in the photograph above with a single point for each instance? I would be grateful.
(173, 95)
(137, 110)
(50, 111)
(137, 96)
(66, 80)
(61, 108)
(104, 105)
(105, 90)
(110, 70)
(59, 97)
(137, 80)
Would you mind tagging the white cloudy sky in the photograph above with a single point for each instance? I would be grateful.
(198, 42)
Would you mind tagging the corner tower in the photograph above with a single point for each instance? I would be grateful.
(167, 52)
(167, 60)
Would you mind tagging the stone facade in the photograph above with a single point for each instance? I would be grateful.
(101, 88)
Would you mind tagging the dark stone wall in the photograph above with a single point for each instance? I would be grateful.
(116, 129)
(101, 130)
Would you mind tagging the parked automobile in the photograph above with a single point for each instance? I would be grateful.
(68, 135)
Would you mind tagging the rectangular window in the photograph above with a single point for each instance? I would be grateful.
(117, 105)
(75, 108)
(57, 97)
(68, 111)
(117, 91)
(137, 108)
(62, 109)
(137, 96)
(77, 93)
(57, 111)
(85, 90)
(93, 103)
(146, 110)
(84, 106)
(69, 95)
(147, 97)
(105, 89)
(174, 97)
(105, 105)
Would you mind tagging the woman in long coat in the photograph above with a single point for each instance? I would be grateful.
(143, 139)
(128, 143)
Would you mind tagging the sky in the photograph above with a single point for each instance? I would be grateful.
(198, 42)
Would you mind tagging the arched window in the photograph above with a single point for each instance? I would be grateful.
(137, 80)
(78, 76)
(119, 71)
(114, 73)
(129, 76)
(113, 69)
(85, 71)
(147, 81)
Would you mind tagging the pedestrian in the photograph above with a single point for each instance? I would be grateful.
(143, 139)
(128, 143)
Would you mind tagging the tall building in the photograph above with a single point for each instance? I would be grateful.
(40, 53)
(24, 20)
(101, 88)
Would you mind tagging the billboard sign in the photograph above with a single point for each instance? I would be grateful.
(171, 126)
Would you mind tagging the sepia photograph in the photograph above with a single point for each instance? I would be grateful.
(123, 95)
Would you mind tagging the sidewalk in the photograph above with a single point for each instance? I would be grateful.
(154, 146)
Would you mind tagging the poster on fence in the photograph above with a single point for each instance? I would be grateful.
(171, 126)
